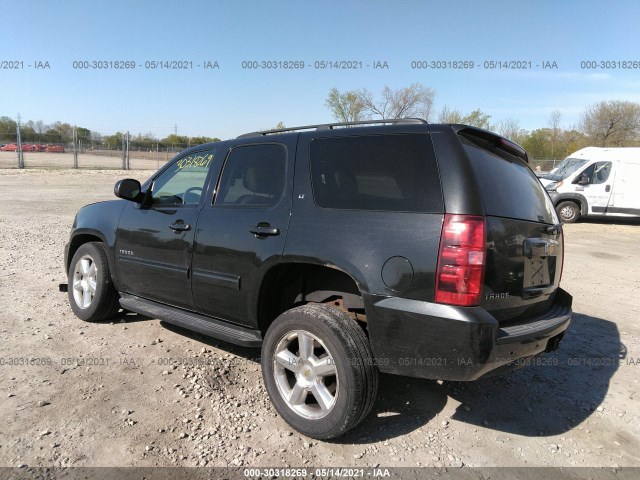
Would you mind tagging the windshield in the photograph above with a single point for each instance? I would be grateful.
(564, 169)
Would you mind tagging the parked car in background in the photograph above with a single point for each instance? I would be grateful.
(30, 147)
(596, 181)
(12, 147)
(54, 149)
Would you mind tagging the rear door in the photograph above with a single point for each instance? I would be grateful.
(524, 239)
(242, 233)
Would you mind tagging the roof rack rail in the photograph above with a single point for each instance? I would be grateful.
(331, 126)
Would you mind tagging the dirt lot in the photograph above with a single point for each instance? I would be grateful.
(136, 392)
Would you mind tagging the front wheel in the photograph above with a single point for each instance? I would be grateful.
(318, 369)
(91, 292)
(569, 212)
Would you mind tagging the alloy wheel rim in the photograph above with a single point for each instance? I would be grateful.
(84, 284)
(306, 374)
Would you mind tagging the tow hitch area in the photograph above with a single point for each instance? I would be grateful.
(63, 287)
(553, 343)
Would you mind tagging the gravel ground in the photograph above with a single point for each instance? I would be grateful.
(137, 392)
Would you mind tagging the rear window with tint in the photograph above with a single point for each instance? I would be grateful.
(376, 172)
(509, 188)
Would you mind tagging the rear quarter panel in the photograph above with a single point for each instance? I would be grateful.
(360, 242)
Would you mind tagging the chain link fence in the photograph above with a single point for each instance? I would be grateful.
(47, 151)
(543, 165)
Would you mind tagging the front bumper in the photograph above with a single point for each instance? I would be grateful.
(64, 287)
(428, 340)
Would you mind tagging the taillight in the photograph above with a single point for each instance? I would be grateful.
(462, 260)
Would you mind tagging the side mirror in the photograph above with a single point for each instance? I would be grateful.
(128, 189)
(583, 179)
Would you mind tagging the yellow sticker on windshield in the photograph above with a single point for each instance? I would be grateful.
(194, 161)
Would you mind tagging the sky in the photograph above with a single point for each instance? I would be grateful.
(230, 100)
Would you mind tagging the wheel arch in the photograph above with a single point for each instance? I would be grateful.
(82, 236)
(577, 198)
(290, 284)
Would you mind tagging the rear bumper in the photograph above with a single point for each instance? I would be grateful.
(428, 340)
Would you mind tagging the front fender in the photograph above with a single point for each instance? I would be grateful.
(96, 222)
(556, 198)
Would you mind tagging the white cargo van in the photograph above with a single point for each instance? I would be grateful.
(596, 181)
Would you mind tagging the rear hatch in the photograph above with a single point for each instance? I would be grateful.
(524, 237)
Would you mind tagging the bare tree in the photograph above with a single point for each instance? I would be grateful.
(416, 100)
(510, 128)
(612, 123)
(40, 128)
(479, 119)
(554, 125)
(60, 132)
(476, 118)
(449, 115)
(345, 107)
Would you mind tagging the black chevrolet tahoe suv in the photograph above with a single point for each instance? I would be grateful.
(343, 250)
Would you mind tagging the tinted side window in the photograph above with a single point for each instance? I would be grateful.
(376, 172)
(509, 188)
(183, 182)
(253, 175)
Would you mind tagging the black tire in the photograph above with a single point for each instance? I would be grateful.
(355, 380)
(568, 211)
(103, 302)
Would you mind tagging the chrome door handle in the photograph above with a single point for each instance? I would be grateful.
(180, 227)
(264, 231)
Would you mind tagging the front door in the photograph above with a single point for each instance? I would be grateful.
(598, 190)
(242, 233)
(154, 241)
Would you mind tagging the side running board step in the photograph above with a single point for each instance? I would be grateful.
(192, 321)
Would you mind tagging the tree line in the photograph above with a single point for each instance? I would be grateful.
(614, 123)
(62, 133)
